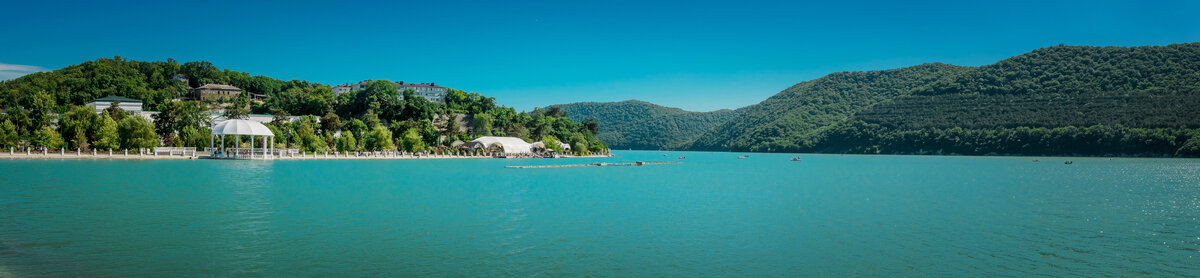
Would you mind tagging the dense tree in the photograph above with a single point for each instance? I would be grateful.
(551, 142)
(41, 107)
(378, 139)
(347, 142)
(137, 132)
(107, 136)
(412, 141)
(330, 123)
(8, 134)
(77, 125)
(115, 112)
(47, 137)
(482, 124)
(174, 116)
(358, 128)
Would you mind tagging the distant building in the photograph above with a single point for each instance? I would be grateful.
(128, 104)
(182, 78)
(218, 92)
(429, 91)
(342, 89)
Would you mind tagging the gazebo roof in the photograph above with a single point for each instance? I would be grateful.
(241, 127)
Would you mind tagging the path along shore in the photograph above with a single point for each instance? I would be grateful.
(149, 154)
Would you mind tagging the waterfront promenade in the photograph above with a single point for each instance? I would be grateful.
(151, 154)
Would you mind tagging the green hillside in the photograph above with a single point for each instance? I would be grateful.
(1068, 100)
(793, 119)
(1065, 100)
(44, 110)
(634, 124)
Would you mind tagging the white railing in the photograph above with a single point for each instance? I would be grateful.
(172, 151)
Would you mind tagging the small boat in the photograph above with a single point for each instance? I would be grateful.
(1035, 160)
(796, 158)
(1069, 162)
(741, 157)
(682, 157)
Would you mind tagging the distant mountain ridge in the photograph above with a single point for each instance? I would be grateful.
(1062, 100)
(635, 124)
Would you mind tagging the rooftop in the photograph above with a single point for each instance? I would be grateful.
(116, 98)
(219, 87)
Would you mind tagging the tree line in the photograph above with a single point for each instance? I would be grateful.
(378, 117)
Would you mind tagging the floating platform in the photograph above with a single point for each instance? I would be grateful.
(636, 163)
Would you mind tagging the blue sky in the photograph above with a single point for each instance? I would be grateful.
(696, 55)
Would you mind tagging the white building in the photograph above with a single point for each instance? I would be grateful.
(429, 91)
(128, 104)
(342, 89)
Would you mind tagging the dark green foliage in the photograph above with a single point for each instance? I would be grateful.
(634, 124)
(792, 119)
(861, 137)
(1063, 100)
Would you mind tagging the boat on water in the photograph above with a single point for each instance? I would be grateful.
(682, 157)
(1069, 162)
(796, 158)
(741, 157)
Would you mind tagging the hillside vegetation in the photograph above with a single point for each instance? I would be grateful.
(44, 110)
(634, 124)
(794, 119)
(1065, 100)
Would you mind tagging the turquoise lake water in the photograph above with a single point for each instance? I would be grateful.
(713, 215)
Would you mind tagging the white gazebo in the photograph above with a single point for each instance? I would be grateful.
(242, 127)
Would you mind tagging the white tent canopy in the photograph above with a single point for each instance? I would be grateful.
(509, 144)
(241, 127)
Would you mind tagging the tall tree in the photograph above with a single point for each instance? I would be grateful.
(137, 132)
(482, 124)
(8, 134)
(77, 124)
(47, 137)
(378, 139)
(106, 134)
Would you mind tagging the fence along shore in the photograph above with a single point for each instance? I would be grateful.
(248, 154)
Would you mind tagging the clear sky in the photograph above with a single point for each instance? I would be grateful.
(695, 55)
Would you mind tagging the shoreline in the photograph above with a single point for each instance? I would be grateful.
(122, 156)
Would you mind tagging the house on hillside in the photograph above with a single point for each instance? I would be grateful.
(219, 92)
(429, 91)
(342, 89)
(181, 78)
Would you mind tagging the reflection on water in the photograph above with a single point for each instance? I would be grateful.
(714, 214)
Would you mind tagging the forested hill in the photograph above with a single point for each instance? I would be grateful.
(45, 110)
(1064, 100)
(150, 82)
(795, 118)
(1068, 100)
(634, 124)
